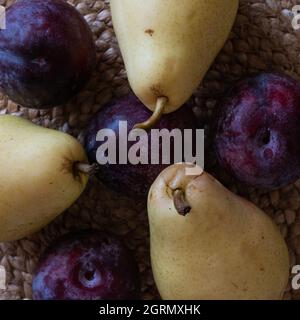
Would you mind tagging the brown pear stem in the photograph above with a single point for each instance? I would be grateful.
(181, 204)
(86, 168)
(157, 114)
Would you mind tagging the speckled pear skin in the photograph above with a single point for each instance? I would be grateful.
(169, 45)
(37, 176)
(224, 248)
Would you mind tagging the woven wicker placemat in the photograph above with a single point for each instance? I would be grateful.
(262, 39)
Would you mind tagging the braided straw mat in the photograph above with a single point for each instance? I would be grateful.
(262, 39)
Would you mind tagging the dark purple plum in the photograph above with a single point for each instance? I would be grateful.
(258, 131)
(47, 53)
(86, 265)
(129, 179)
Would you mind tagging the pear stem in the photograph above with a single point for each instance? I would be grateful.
(181, 204)
(86, 168)
(157, 114)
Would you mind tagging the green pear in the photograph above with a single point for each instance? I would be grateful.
(169, 45)
(42, 172)
(208, 243)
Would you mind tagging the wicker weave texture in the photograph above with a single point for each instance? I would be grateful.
(262, 39)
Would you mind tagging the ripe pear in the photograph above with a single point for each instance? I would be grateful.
(169, 45)
(42, 172)
(207, 243)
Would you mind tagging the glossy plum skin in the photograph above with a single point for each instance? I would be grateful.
(47, 53)
(133, 180)
(258, 131)
(86, 265)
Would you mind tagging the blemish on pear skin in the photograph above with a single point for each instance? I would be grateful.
(191, 15)
(69, 167)
(150, 32)
(150, 196)
(235, 285)
(156, 90)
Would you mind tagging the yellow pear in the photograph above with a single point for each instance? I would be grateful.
(208, 243)
(169, 45)
(42, 172)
